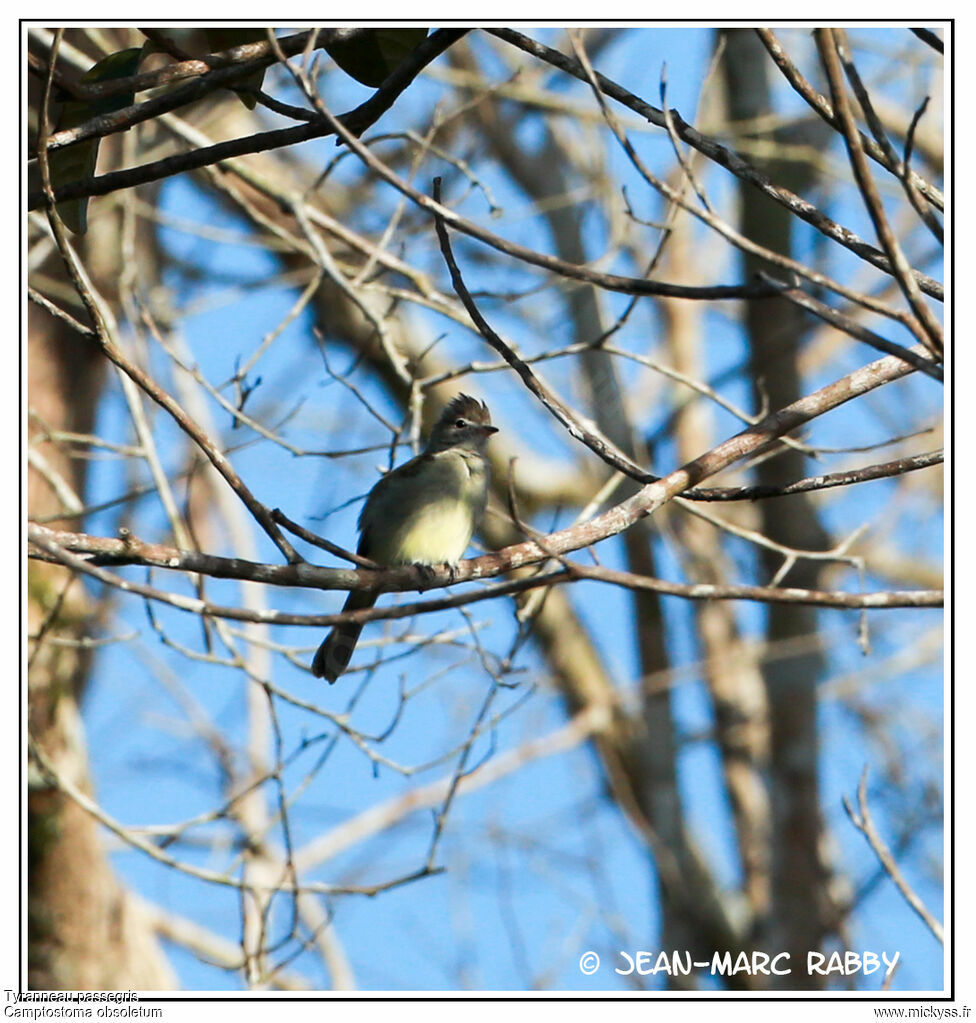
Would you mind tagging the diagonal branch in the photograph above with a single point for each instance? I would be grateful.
(724, 157)
(821, 105)
(597, 443)
(621, 516)
(358, 120)
(611, 522)
(832, 52)
(864, 822)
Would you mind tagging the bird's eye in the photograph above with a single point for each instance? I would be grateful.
(460, 424)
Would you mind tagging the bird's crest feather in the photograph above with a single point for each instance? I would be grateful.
(463, 405)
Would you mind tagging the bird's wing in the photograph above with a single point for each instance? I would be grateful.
(377, 495)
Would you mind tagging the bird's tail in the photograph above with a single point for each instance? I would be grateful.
(332, 657)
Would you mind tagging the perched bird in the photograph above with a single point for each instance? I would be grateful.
(422, 513)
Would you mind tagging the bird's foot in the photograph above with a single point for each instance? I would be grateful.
(427, 574)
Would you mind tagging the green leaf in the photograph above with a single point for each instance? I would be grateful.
(76, 163)
(219, 39)
(371, 55)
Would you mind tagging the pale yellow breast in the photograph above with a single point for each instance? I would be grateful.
(441, 532)
(427, 518)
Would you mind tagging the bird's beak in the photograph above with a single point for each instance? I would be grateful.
(489, 430)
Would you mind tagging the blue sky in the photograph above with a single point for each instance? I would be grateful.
(540, 865)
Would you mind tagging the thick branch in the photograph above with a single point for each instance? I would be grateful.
(646, 501)
(357, 120)
(46, 545)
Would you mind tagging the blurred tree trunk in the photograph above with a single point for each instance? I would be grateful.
(639, 751)
(84, 930)
(735, 856)
(800, 903)
(728, 660)
(84, 933)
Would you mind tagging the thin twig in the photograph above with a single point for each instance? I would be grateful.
(883, 470)
(832, 52)
(357, 120)
(724, 157)
(736, 238)
(856, 330)
(864, 822)
(584, 433)
(821, 105)
(151, 849)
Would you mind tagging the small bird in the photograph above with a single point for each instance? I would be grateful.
(422, 513)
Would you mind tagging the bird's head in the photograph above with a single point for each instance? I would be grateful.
(465, 422)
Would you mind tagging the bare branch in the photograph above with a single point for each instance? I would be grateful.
(864, 822)
(832, 51)
(392, 580)
(731, 161)
(929, 37)
(821, 105)
(358, 120)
